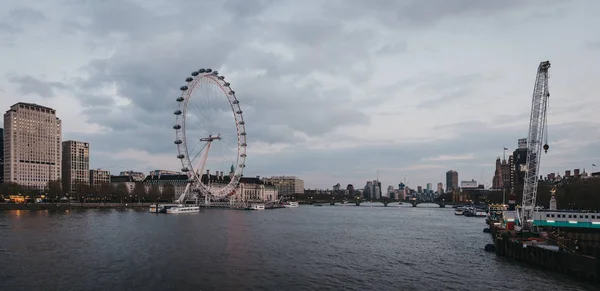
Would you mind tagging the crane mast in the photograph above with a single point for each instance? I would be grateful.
(535, 139)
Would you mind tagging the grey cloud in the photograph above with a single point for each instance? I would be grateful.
(446, 88)
(26, 15)
(9, 29)
(445, 98)
(595, 45)
(393, 49)
(152, 85)
(14, 23)
(482, 141)
(31, 85)
(416, 13)
(160, 44)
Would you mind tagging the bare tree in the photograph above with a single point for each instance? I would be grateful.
(153, 192)
(168, 192)
(105, 191)
(54, 190)
(139, 191)
(121, 192)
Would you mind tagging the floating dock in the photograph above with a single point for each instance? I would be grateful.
(546, 250)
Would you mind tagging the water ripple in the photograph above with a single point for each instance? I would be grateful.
(308, 248)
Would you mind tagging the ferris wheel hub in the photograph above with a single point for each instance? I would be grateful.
(211, 138)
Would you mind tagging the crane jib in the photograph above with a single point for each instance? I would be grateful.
(536, 141)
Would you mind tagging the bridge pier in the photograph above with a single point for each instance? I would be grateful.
(357, 201)
(385, 201)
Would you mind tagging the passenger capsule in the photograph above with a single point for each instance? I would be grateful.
(189, 79)
(179, 99)
(195, 73)
(177, 112)
(180, 156)
(236, 102)
(221, 77)
(201, 71)
(183, 88)
(176, 126)
(178, 141)
(208, 70)
(227, 84)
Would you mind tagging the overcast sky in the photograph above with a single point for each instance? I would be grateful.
(332, 91)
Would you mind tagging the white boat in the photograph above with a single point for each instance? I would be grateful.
(480, 213)
(458, 211)
(162, 208)
(257, 206)
(291, 204)
(183, 209)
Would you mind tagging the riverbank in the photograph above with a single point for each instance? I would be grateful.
(47, 206)
(523, 247)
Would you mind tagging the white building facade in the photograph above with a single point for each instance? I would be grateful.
(32, 145)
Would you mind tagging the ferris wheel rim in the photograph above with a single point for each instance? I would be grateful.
(197, 78)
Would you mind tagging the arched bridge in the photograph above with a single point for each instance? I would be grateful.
(416, 202)
(385, 200)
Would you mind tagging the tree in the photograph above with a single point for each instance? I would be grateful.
(90, 192)
(10, 188)
(54, 189)
(153, 192)
(82, 190)
(105, 191)
(139, 190)
(121, 192)
(168, 192)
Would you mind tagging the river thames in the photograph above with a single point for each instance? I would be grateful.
(305, 248)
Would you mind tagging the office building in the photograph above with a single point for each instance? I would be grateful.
(451, 180)
(99, 177)
(32, 145)
(287, 185)
(75, 165)
(1, 155)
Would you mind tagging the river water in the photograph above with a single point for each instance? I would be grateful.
(305, 248)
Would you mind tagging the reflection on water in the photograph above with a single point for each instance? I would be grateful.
(305, 248)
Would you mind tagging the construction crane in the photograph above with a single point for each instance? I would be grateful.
(537, 137)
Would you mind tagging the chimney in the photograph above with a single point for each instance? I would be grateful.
(221, 176)
(258, 177)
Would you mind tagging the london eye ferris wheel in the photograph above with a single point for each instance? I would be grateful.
(207, 137)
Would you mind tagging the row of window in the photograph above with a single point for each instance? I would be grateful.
(573, 216)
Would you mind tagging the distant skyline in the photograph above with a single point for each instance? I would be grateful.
(332, 91)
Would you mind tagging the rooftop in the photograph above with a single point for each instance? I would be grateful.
(34, 105)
